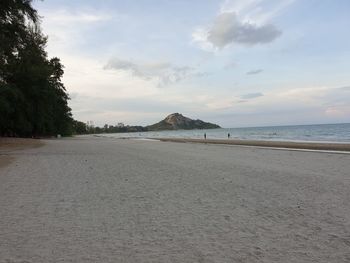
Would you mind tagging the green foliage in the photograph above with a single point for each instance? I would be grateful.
(160, 126)
(33, 100)
(81, 128)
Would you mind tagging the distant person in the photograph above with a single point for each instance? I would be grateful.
(228, 136)
(205, 136)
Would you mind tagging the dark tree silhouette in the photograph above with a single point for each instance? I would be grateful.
(33, 100)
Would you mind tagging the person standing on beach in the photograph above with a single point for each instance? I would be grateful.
(228, 136)
(205, 136)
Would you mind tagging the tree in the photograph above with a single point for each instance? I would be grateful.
(79, 127)
(13, 15)
(33, 99)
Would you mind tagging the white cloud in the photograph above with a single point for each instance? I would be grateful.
(324, 101)
(129, 91)
(163, 72)
(238, 5)
(133, 103)
(338, 111)
(68, 29)
(65, 17)
(86, 76)
(247, 22)
(257, 11)
(200, 37)
(227, 29)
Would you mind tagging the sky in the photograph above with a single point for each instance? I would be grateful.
(237, 63)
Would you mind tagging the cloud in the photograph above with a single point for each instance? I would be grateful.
(200, 38)
(230, 65)
(228, 102)
(254, 72)
(86, 75)
(319, 98)
(345, 89)
(246, 23)
(164, 72)
(259, 11)
(134, 111)
(65, 17)
(300, 105)
(252, 95)
(227, 29)
(70, 30)
(308, 105)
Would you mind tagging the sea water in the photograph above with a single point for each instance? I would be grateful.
(317, 133)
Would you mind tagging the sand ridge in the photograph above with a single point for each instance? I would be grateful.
(273, 144)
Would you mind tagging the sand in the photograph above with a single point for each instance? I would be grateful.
(107, 200)
(9, 144)
(322, 146)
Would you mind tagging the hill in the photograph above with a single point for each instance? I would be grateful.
(177, 121)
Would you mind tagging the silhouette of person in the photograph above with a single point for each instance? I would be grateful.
(228, 136)
(205, 136)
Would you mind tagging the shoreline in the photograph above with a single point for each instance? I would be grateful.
(343, 147)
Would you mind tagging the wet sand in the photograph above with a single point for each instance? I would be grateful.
(10, 144)
(272, 144)
(93, 199)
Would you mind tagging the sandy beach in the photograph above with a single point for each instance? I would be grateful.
(92, 199)
(10, 144)
(321, 146)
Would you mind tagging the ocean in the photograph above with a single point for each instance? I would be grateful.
(309, 133)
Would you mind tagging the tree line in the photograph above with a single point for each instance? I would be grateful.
(83, 128)
(33, 99)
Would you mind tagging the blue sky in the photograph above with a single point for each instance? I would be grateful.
(236, 63)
